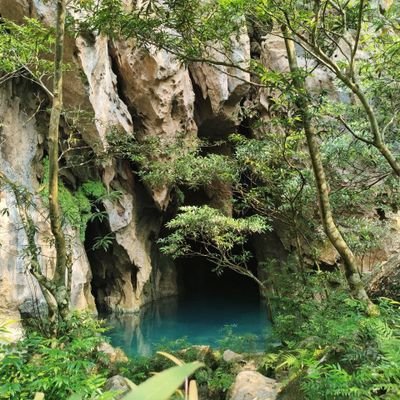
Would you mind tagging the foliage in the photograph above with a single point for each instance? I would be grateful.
(82, 205)
(221, 380)
(164, 384)
(335, 351)
(221, 238)
(214, 378)
(238, 343)
(192, 31)
(274, 181)
(22, 48)
(177, 163)
(58, 367)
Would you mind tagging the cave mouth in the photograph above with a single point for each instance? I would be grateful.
(110, 266)
(197, 279)
(223, 311)
(102, 280)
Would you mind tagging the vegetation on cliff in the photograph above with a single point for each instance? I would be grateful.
(334, 145)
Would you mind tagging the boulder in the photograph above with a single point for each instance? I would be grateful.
(251, 385)
(230, 356)
(119, 384)
(114, 354)
(386, 281)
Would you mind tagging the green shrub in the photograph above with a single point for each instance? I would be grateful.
(338, 351)
(238, 343)
(58, 367)
(80, 206)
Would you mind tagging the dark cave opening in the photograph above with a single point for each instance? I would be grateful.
(197, 280)
(110, 266)
(98, 257)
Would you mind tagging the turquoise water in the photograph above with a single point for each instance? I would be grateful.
(199, 320)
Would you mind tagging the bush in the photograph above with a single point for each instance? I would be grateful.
(58, 367)
(338, 351)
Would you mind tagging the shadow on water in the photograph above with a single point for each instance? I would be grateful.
(211, 310)
(200, 320)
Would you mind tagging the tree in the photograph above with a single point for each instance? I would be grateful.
(326, 30)
(27, 62)
(61, 282)
(221, 239)
(330, 227)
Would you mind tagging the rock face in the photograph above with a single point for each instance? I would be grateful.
(18, 153)
(230, 356)
(159, 93)
(118, 384)
(114, 355)
(109, 110)
(251, 385)
(221, 88)
(116, 87)
(386, 281)
(113, 86)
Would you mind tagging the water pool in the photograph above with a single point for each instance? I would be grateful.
(199, 320)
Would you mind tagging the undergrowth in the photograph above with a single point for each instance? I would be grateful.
(332, 349)
(57, 367)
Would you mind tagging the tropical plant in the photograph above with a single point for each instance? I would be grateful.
(222, 238)
(164, 384)
(338, 352)
(22, 48)
(58, 366)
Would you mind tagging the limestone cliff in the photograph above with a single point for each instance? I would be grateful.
(120, 87)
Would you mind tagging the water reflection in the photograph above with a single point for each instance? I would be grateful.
(133, 332)
(200, 320)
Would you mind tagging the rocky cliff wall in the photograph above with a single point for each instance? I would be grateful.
(120, 87)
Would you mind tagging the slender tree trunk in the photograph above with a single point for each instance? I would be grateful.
(315, 49)
(60, 275)
(330, 227)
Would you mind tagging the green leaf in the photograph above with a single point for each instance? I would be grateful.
(75, 397)
(164, 384)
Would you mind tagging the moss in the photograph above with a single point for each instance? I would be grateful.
(76, 206)
(93, 189)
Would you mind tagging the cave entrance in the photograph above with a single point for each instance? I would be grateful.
(197, 280)
(113, 275)
(219, 311)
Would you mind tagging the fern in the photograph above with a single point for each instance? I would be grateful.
(341, 353)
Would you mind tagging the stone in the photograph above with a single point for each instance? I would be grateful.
(141, 274)
(11, 323)
(114, 354)
(224, 86)
(251, 385)
(157, 86)
(106, 82)
(119, 384)
(385, 281)
(110, 111)
(18, 154)
(230, 356)
(14, 9)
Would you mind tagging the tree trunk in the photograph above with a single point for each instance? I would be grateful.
(331, 230)
(60, 275)
(378, 141)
